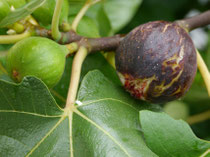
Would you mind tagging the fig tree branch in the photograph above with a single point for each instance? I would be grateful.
(194, 22)
(92, 44)
(101, 44)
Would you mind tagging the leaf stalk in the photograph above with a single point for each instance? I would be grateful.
(75, 76)
(204, 71)
(55, 21)
(11, 39)
(82, 12)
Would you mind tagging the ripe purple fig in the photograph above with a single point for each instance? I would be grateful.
(157, 62)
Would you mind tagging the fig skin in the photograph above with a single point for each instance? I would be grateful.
(157, 62)
(44, 14)
(39, 57)
(4, 9)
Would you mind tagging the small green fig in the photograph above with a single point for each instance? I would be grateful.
(157, 62)
(177, 110)
(87, 27)
(5, 6)
(36, 56)
(16, 3)
(44, 14)
(4, 9)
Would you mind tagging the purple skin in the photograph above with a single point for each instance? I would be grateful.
(157, 62)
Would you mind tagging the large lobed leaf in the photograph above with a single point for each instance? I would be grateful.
(104, 122)
(171, 138)
(120, 12)
(32, 124)
(111, 15)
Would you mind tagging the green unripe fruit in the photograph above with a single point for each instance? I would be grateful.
(16, 3)
(4, 9)
(36, 56)
(177, 110)
(44, 14)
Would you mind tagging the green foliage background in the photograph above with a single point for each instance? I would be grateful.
(108, 123)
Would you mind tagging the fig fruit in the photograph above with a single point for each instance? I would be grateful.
(177, 110)
(6, 4)
(16, 3)
(157, 61)
(4, 9)
(36, 56)
(44, 14)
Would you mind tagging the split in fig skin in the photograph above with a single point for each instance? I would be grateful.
(157, 62)
(39, 57)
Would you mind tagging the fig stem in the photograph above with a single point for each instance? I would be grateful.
(82, 12)
(31, 20)
(204, 71)
(199, 117)
(72, 47)
(111, 59)
(194, 22)
(66, 27)
(11, 39)
(75, 76)
(55, 20)
(19, 28)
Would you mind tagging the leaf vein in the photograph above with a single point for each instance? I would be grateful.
(105, 99)
(104, 131)
(50, 131)
(7, 99)
(30, 113)
(70, 134)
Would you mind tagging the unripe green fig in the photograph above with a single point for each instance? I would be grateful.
(157, 62)
(4, 9)
(37, 56)
(177, 110)
(44, 14)
(16, 3)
